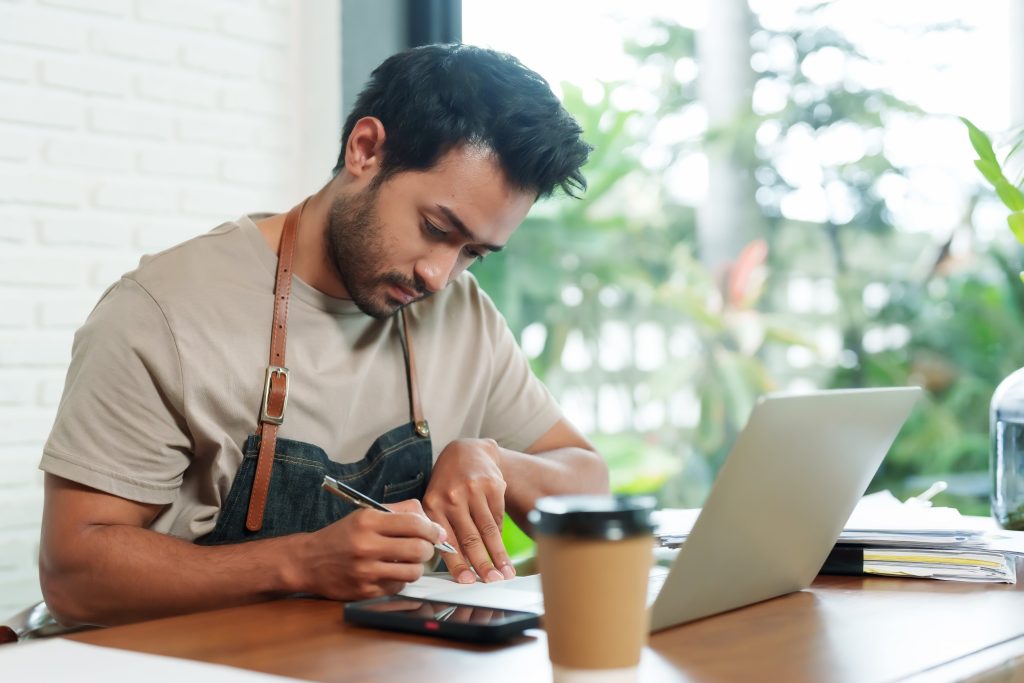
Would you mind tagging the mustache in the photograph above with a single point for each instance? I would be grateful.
(415, 285)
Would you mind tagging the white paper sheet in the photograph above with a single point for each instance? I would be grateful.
(57, 659)
(879, 518)
(522, 593)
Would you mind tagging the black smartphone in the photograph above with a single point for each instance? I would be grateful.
(442, 619)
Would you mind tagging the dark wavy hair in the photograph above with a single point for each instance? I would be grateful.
(435, 97)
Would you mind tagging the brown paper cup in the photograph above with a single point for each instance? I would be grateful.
(594, 573)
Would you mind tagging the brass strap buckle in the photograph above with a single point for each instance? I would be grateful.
(264, 415)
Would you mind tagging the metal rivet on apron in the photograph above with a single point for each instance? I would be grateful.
(422, 428)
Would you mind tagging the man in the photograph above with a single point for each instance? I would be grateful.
(183, 471)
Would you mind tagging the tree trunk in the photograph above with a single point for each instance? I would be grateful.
(729, 217)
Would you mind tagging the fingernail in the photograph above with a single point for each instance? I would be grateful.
(509, 571)
(442, 534)
(466, 576)
(494, 575)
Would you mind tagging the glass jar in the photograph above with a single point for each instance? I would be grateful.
(1006, 451)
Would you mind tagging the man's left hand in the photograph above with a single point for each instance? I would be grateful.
(466, 496)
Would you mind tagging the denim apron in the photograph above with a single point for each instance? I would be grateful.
(396, 467)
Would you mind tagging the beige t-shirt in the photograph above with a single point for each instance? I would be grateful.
(167, 374)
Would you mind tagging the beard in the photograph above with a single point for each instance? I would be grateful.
(356, 248)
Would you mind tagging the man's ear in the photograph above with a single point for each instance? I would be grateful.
(364, 147)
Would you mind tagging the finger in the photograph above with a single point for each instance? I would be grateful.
(425, 609)
(496, 505)
(462, 614)
(490, 533)
(502, 560)
(414, 507)
(381, 572)
(472, 544)
(457, 565)
(408, 524)
(402, 549)
(482, 615)
(411, 505)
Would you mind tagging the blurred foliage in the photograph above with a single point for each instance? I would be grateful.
(627, 252)
(725, 367)
(634, 264)
(580, 243)
(966, 333)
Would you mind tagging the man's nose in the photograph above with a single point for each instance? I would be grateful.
(435, 269)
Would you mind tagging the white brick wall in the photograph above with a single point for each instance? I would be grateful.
(127, 126)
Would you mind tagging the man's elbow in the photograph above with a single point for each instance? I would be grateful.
(62, 597)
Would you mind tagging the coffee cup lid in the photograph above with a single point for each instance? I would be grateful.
(601, 517)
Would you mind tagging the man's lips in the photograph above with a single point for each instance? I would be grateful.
(403, 294)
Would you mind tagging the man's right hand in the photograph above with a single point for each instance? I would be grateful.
(100, 564)
(370, 553)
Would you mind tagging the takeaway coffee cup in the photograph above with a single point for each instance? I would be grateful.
(594, 555)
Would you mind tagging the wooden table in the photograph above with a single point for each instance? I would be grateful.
(841, 629)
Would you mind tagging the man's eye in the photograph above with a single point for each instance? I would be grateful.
(475, 254)
(433, 230)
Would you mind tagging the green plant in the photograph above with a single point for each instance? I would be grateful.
(965, 334)
(994, 171)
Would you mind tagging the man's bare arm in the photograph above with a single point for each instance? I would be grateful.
(562, 461)
(100, 565)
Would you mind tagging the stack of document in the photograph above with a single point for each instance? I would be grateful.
(890, 538)
(925, 563)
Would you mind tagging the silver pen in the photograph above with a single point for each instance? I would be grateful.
(360, 499)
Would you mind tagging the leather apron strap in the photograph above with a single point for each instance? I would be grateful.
(275, 384)
(415, 407)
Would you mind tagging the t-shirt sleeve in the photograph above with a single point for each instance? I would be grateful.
(520, 409)
(120, 425)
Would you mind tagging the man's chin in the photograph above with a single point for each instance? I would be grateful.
(379, 310)
(384, 307)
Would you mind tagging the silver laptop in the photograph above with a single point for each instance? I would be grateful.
(775, 511)
(781, 499)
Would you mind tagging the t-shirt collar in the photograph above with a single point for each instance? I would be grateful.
(302, 291)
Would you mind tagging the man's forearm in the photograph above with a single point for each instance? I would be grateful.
(119, 573)
(561, 471)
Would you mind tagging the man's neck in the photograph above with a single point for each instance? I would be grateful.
(310, 264)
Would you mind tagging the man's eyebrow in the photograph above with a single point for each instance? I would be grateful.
(466, 232)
